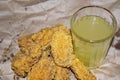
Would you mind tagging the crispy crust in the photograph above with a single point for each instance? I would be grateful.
(81, 71)
(62, 51)
(28, 47)
(61, 73)
(30, 51)
(44, 69)
(22, 63)
(61, 46)
(47, 55)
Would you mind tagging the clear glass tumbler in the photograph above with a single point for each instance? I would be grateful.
(93, 28)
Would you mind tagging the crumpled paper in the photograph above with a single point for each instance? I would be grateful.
(18, 17)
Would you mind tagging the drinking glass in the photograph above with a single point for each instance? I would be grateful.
(93, 28)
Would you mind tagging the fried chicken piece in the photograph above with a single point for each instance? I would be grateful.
(22, 64)
(44, 69)
(62, 47)
(43, 37)
(61, 73)
(30, 51)
(81, 71)
(33, 43)
(62, 52)
(29, 47)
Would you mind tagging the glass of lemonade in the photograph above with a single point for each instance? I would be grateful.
(93, 28)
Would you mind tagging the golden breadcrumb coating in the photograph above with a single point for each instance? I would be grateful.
(30, 51)
(61, 73)
(56, 71)
(48, 55)
(22, 63)
(43, 37)
(81, 71)
(44, 69)
(28, 47)
(62, 52)
(62, 47)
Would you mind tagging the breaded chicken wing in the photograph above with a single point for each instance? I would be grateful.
(43, 37)
(22, 63)
(47, 55)
(81, 71)
(29, 47)
(33, 43)
(30, 51)
(62, 47)
(61, 73)
(62, 52)
(44, 69)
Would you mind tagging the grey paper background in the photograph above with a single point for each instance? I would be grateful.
(19, 17)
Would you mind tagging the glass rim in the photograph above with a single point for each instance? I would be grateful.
(95, 41)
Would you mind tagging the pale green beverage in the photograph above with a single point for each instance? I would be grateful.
(92, 37)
